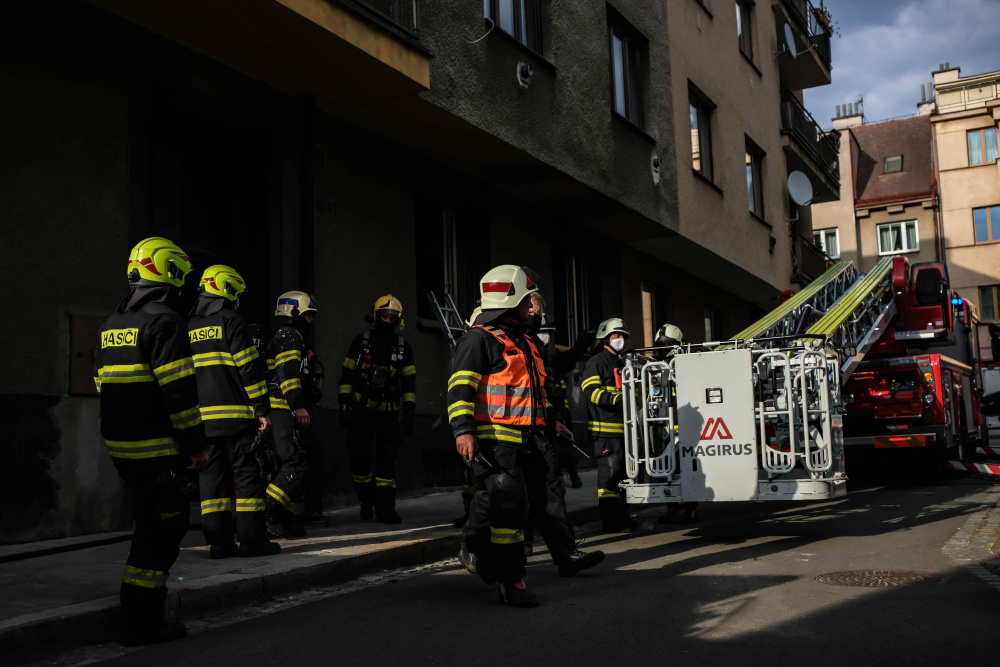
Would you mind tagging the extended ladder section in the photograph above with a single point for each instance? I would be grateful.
(758, 417)
(449, 319)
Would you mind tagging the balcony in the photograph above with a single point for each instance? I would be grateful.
(403, 14)
(808, 149)
(808, 261)
(811, 31)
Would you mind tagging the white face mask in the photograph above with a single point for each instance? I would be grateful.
(544, 338)
(618, 344)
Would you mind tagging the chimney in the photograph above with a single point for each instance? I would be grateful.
(923, 94)
(838, 112)
(940, 67)
(947, 65)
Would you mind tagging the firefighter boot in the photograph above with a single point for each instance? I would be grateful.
(219, 551)
(385, 502)
(259, 548)
(578, 560)
(468, 559)
(574, 479)
(516, 594)
(279, 521)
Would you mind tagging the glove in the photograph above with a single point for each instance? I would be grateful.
(407, 421)
(347, 414)
(585, 341)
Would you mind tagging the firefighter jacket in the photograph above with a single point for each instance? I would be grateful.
(602, 388)
(379, 373)
(556, 393)
(145, 378)
(231, 375)
(498, 384)
(287, 365)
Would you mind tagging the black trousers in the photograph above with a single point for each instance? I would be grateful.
(610, 471)
(374, 441)
(231, 465)
(519, 482)
(160, 518)
(289, 484)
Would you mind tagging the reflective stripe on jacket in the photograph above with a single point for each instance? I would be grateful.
(601, 386)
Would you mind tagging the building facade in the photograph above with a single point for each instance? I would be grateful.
(352, 148)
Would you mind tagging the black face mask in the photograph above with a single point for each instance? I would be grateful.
(383, 326)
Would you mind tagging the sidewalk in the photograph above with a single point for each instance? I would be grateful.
(55, 599)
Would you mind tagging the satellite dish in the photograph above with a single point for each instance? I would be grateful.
(790, 42)
(800, 188)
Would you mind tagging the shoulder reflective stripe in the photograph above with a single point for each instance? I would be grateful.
(249, 504)
(290, 355)
(459, 408)
(349, 363)
(506, 535)
(289, 385)
(409, 370)
(243, 357)
(593, 379)
(256, 390)
(144, 578)
(363, 479)
(216, 505)
(608, 493)
(387, 483)
(227, 412)
(464, 377)
(279, 403)
(280, 496)
(174, 370)
(142, 449)
(271, 365)
(186, 418)
(409, 398)
(125, 373)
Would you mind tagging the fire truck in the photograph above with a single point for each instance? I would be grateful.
(886, 359)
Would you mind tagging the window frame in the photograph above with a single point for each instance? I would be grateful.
(902, 225)
(648, 302)
(634, 47)
(885, 165)
(994, 289)
(982, 145)
(704, 108)
(991, 220)
(526, 16)
(710, 321)
(744, 27)
(823, 243)
(755, 167)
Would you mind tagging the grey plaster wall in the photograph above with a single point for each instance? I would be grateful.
(564, 117)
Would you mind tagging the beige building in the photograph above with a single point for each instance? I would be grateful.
(740, 130)
(965, 119)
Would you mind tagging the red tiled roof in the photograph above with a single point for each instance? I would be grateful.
(909, 137)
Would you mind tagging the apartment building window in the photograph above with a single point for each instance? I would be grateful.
(649, 325)
(519, 18)
(700, 109)
(988, 307)
(893, 164)
(982, 146)
(755, 182)
(898, 237)
(575, 295)
(828, 240)
(710, 325)
(627, 52)
(987, 222)
(744, 11)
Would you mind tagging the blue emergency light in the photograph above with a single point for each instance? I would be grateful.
(956, 301)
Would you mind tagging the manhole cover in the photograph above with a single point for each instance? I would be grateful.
(877, 578)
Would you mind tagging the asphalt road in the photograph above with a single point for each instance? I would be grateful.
(737, 588)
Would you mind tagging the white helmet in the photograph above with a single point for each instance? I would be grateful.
(669, 332)
(295, 303)
(610, 326)
(506, 286)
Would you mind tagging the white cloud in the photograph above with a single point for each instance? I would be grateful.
(885, 60)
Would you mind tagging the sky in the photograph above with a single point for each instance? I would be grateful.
(887, 48)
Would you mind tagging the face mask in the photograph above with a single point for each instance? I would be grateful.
(618, 344)
(544, 337)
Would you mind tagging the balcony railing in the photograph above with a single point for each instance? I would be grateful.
(798, 122)
(808, 17)
(403, 13)
(810, 262)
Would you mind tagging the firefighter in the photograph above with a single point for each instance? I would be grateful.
(290, 392)
(377, 405)
(152, 426)
(232, 388)
(669, 337)
(602, 387)
(496, 407)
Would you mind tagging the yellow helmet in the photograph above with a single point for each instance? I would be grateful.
(389, 304)
(158, 260)
(222, 280)
(506, 286)
(294, 303)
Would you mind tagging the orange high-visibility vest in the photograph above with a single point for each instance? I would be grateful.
(514, 395)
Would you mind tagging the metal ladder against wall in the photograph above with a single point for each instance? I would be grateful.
(450, 320)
